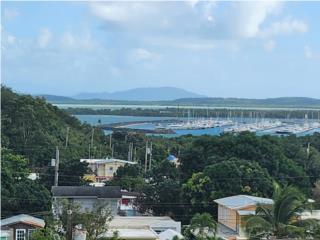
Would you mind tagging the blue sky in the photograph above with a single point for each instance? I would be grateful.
(219, 49)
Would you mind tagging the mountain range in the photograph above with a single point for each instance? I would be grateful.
(141, 94)
(169, 96)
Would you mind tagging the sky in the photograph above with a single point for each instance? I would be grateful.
(215, 48)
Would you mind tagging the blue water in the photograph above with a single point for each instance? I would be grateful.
(108, 119)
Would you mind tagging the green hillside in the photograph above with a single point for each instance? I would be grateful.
(31, 130)
(282, 102)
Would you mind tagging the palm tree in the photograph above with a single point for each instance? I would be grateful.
(282, 218)
(203, 226)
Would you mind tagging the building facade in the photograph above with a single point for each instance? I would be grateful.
(20, 227)
(232, 212)
(104, 169)
(87, 197)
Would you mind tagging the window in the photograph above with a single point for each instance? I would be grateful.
(20, 234)
(30, 232)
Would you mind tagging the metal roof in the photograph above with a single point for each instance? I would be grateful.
(169, 234)
(87, 191)
(171, 158)
(131, 233)
(246, 212)
(24, 218)
(140, 221)
(106, 160)
(241, 201)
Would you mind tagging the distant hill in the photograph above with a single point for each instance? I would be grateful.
(54, 98)
(244, 102)
(282, 102)
(142, 94)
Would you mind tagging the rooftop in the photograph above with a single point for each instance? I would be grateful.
(241, 201)
(133, 233)
(87, 191)
(169, 234)
(24, 218)
(106, 160)
(139, 221)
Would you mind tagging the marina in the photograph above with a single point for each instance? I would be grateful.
(198, 126)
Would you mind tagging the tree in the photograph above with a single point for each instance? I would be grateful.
(316, 193)
(94, 221)
(46, 233)
(203, 226)
(281, 220)
(18, 193)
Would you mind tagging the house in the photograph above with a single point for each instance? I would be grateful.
(133, 234)
(169, 234)
(314, 214)
(173, 159)
(87, 196)
(127, 205)
(143, 228)
(103, 169)
(157, 224)
(232, 212)
(20, 227)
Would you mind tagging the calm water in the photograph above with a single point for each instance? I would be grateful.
(108, 119)
(119, 106)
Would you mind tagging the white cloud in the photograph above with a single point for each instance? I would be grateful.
(140, 54)
(67, 39)
(174, 16)
(308, 52)
(11, 39)
(44, 38)
(126, 12)
(269, 45)
(10, 14)
(82, 41)
(246, 18)
(287, 26)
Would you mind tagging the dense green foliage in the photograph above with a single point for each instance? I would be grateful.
(212, 167)
(18, 193)
(32, 128)
(282, 219)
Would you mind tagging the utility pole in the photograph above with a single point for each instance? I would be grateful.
(150, 156)
(146, 158)
(110, 140)
(135, 154)
(112, 151)
(129, 152)
(91, 143)
(56, 172)
(69, 224)
(67, 137)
